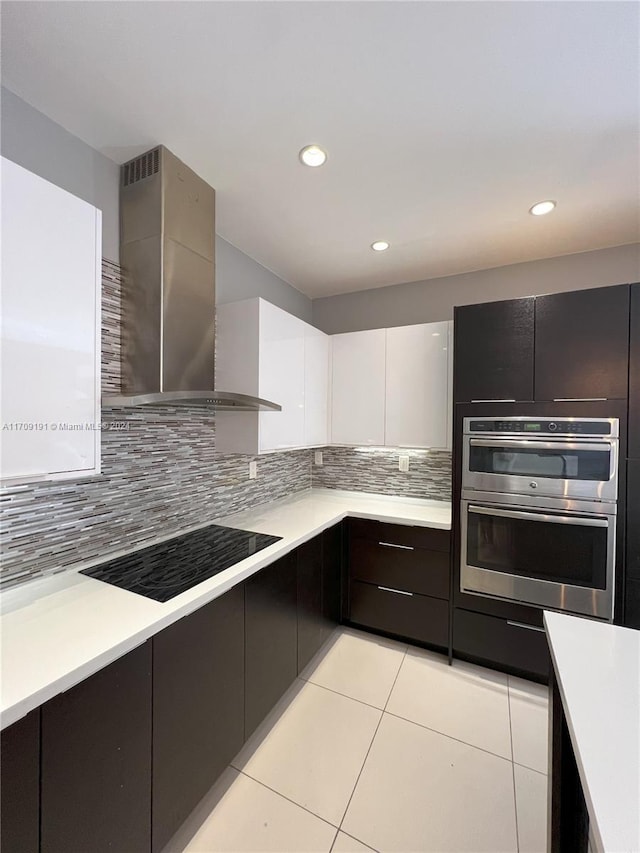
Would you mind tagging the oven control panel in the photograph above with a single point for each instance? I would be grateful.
(544, 427)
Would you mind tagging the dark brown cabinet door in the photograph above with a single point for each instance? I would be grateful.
(408, 615)
(96, 762)
(582, 344)
(271, 632)
(332, 544)
(506, 644)
(632, 585)
(311, 633)
(198, 708)
(20, 786)
(634, 375)
(493, 351)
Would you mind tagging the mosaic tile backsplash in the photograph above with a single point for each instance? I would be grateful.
(370, 469)
(161, 475)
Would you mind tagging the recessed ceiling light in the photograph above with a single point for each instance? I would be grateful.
(542, 207)
(380, 246)
(313, 155)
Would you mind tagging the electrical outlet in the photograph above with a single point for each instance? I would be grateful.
(403, 463)
(317, 457)
(253, 470)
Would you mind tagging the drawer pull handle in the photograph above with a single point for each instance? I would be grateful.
(393, 545)
(528, 627)
(500, 400)
(397, 591)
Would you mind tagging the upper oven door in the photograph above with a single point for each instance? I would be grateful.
(558, 468)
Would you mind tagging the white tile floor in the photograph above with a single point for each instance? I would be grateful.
(380, 746)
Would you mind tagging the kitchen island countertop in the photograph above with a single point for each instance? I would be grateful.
(597, 668)
(57, 631)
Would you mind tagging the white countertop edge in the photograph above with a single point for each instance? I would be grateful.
(182, 605)
(595, 818)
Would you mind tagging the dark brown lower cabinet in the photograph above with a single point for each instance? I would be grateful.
(568, 826)
(20, 786)
(415, 570)
(503, 643)
(332, 579)
(399, 580)
(271, 632)
(96, 762)
(311, 633)
(198, 708)
(405, 614)
(632, 585)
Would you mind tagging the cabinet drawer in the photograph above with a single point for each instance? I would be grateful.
(406, 568)
(416, 617)
(501, 642)
(400, 534)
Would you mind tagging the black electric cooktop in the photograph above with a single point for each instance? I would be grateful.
(165, 570)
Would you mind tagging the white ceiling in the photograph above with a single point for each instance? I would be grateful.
(444, 122)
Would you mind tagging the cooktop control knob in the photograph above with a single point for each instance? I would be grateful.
(553, 427)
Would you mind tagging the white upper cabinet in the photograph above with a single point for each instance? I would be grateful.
(317, 363)
(50, 331)
(281, 377)
(358, 388)
(418, 396)
(266, 352)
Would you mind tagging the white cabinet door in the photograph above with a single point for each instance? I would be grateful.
(417, 388)
(317, 352)
(358, 388)
(281, 372)
(50, 340)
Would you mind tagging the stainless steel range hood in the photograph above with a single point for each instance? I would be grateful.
(167, 229)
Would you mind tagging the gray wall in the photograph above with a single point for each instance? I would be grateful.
(240, 277)
(35, 142)
(434, 299)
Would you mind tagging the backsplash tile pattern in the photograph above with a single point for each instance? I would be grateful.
(161, 475)
(369, 469)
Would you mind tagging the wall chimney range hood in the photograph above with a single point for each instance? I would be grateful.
(167, 244)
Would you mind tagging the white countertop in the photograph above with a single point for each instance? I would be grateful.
(57, 631)
(598, 670)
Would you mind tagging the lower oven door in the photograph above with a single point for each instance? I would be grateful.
(555, 559)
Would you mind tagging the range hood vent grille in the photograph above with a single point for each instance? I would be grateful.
(142, 167)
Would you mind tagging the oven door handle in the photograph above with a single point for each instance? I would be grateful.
(535, 444)
(539, 516)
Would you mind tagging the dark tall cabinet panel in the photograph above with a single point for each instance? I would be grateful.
(271, 631)
(493, 351)
(634, 375)
(332, 545)
(20, 786)
(581, 344)
(632, 586)
(198, 708)
(96, 762)
(311, 632)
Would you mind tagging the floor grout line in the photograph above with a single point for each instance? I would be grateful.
(346, 696)
(532, 769)
(359, 840)
(450, 737)
(513, 767)
(333, 843)
(288, 799)
(344, 814)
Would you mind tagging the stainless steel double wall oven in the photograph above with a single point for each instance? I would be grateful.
(538, 511)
